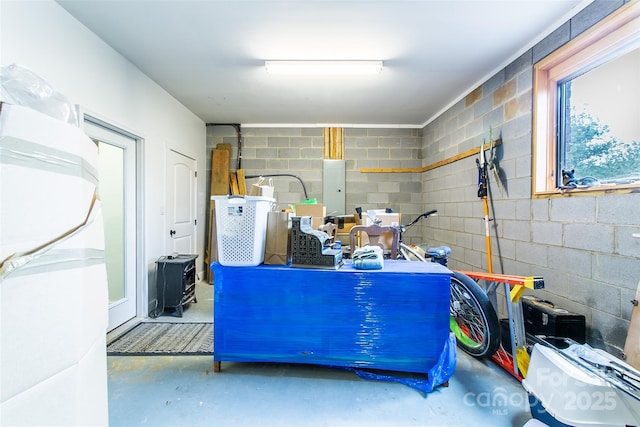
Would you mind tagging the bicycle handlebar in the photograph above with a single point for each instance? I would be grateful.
(423, 215)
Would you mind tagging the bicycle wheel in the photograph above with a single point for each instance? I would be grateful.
(473, 320)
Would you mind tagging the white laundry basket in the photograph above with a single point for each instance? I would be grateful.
(241, 228)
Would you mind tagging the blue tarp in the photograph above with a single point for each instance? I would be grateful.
(393, 319)
(437, 375)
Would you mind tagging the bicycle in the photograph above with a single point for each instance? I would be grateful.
(473, 320)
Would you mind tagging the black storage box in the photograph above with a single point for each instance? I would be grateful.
(544, 318)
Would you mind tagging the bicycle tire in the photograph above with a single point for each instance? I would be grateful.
(473, 319)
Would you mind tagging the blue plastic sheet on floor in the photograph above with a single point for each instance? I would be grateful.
(437, 375)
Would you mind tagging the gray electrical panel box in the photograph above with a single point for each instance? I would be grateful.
(333, 183)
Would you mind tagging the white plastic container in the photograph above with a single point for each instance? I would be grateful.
(53, 282)
(564, 390)
(241, 228)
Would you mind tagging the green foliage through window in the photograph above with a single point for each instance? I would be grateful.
(593, 151)
(598, 123)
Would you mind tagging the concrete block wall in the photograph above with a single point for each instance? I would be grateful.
(582, 246)
(299, 151)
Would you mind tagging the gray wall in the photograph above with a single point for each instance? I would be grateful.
(299, 151)
(582, 246)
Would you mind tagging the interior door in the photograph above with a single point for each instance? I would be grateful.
(117, 190)
(181, 203)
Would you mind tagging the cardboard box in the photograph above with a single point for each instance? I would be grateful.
(317, 222)
(386, 218)
(316, 210)
(54, 295)
(343, 222)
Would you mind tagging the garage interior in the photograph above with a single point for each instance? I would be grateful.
(182, 81)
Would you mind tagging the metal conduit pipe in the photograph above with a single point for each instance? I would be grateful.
(282, 174)
(238, 129)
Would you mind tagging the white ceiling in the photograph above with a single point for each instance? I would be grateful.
(210, 54)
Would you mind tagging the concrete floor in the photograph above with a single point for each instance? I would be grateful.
(184, 391)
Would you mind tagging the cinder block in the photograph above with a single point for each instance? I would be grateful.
(290, 153)
(532, 253)
(623, 271)
(549, 233)
(378, 198)
(277, 142)
(378, 153)
(517, 66)
(289, 131)
(552, 42)
(301, 142)
(609, 210)
(590, 237)
(591, 14)
(267, 153)
(311, 153)
(254, 141)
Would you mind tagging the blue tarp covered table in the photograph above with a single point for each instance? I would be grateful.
(393, 319)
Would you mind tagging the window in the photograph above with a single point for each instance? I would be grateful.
(586, 126)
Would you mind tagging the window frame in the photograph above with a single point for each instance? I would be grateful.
(613, 36)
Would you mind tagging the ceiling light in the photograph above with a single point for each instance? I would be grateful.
(323, 67)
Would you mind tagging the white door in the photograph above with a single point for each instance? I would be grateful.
(181, 203)
(117, 191)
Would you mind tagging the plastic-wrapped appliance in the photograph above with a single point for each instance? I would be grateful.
(572, 384)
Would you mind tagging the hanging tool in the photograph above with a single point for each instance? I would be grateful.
(483, 183)
(516, 359)
(493, 163)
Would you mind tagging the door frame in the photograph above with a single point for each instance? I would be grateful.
(140, 270)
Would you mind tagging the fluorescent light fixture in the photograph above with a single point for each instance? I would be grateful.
(323, 67)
